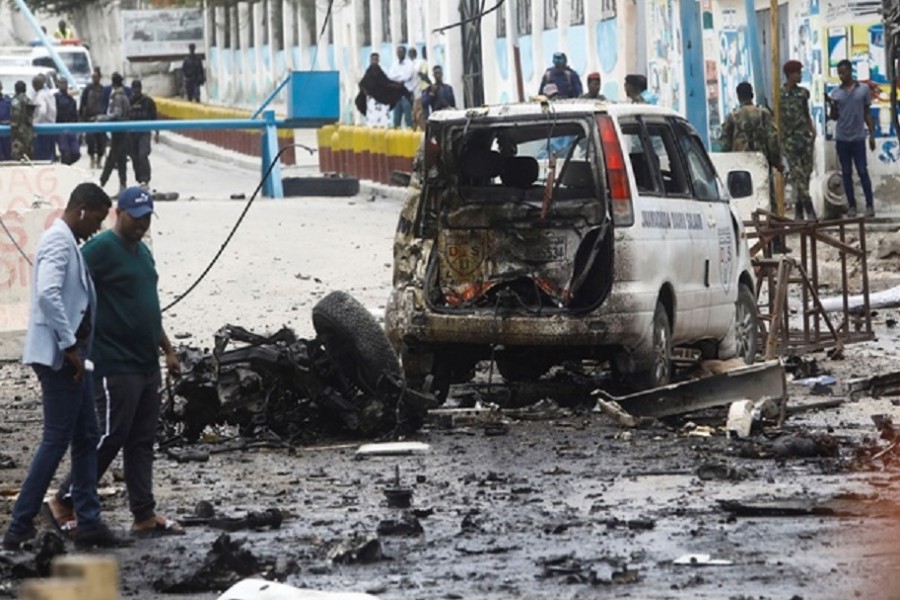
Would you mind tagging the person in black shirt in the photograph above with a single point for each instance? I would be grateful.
(143, 108)
(194, 74)
(67, 112)
(93, 105)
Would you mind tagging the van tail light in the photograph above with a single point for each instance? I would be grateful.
(432, 155)
(616, 175)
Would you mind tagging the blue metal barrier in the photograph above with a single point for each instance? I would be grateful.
(271, 187)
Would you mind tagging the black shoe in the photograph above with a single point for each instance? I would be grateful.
(14, 541)
(100, 536)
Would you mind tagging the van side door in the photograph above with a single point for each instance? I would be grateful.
(719, 234)
(665, 215)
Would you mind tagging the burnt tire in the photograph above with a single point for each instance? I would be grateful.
(656, 370)
(355, 342)
(320, 186)
(742, 339)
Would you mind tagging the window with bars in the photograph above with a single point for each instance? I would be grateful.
(404, 24)
(251, 26)
(551, 14)
(236, 22)
(308, 17)
(607, 9)
(364, 18)
(524, 17)
(278, 24)
(264, 21)
(577, 13)
(295, 23)
(385, 20)
(501, 21)
(212, 27)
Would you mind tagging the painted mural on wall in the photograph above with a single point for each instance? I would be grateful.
(664, 57)
(862, 43)
(734, 59)
(711, 71)
(806, 46)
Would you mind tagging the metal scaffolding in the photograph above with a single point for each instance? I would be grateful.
(818, 330)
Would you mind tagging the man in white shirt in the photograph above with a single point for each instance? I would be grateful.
(422, 82)
(44, 112)
(403, 71)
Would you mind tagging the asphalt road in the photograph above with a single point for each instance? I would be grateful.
(541, 512)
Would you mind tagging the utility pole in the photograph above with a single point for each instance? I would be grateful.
(512, 30)
(775, 38)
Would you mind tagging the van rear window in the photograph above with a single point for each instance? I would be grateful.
(519, 155)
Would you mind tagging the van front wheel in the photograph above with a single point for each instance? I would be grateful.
(742, 339)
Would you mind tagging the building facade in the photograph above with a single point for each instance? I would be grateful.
(693, 52)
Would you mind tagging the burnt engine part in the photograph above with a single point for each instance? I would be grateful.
(345, 382)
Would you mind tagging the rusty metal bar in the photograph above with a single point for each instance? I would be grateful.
(765, 227)
(754, 382)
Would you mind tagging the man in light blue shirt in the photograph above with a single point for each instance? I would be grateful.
(850, 108)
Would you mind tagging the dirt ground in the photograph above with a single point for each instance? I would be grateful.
(565, 504)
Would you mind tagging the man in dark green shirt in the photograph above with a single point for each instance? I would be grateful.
(129, 335)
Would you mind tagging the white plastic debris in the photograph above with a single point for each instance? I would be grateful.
(702, 560)
(260, 589)
(393, 449)
(740, 418)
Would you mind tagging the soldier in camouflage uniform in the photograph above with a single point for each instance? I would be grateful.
(22, 129)
(751, 128)
(797, 137)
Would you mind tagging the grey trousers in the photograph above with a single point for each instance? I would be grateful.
(128, 410)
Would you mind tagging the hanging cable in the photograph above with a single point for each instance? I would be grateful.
(15, 243)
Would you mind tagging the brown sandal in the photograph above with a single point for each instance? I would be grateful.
(64, 524)
(163, 527)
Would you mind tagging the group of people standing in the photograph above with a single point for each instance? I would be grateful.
(753, 128)
(114, 102)
(406, 94)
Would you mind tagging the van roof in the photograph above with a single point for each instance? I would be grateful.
(560, 107)
(24, 70)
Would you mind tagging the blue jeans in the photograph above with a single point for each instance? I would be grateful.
(402, 111)
(854, 152)
(44, 147)
(69, 148)
(70, 418)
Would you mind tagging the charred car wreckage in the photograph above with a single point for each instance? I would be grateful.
(346, 381)
(540, 233)
(532, 235)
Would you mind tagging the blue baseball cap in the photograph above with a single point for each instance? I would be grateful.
(137, 202)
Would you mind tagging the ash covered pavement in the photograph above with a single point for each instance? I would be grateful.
(544, 499)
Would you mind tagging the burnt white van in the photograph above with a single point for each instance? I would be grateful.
(540, 233)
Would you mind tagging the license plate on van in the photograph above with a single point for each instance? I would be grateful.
(550, 249)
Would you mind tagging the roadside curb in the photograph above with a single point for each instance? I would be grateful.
(209, 151)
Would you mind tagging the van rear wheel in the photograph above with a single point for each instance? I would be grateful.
(658, 368)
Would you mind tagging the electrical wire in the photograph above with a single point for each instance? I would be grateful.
(15, 243)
